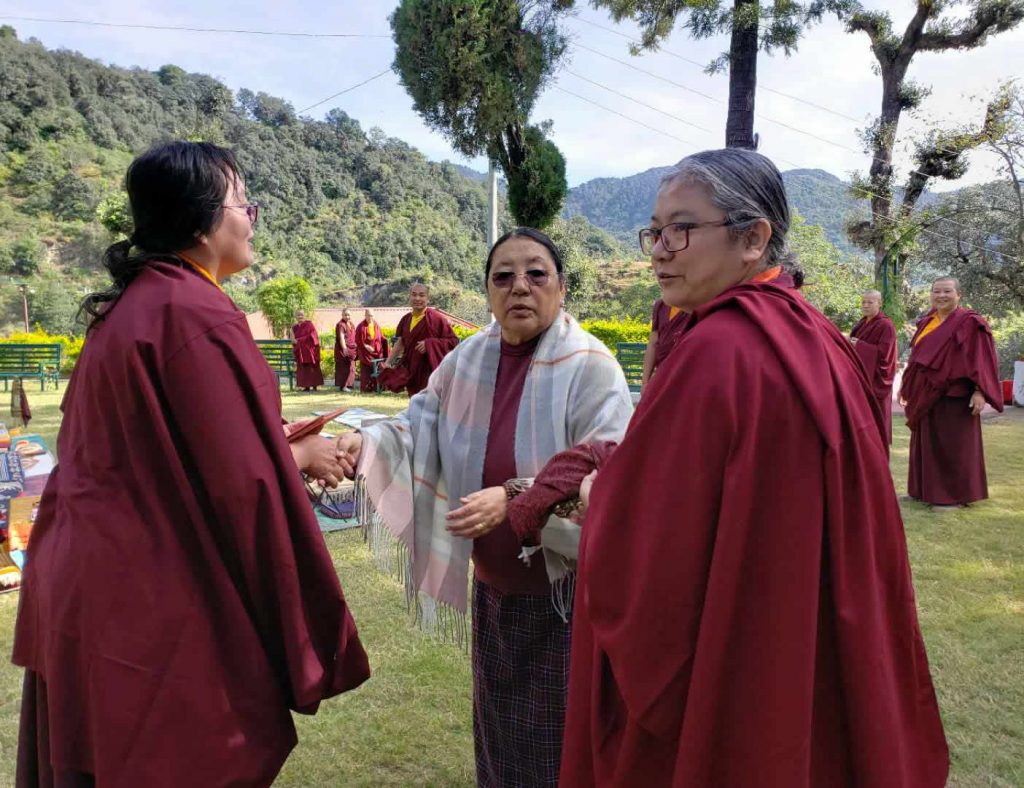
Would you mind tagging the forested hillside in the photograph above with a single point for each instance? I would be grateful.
(355, 212)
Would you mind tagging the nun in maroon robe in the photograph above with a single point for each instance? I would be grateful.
(423, 339)
(178, 599)
(746, 617)
(875, 342)
(952, 362)
(306, 346)
(345, 353)
(369, 347)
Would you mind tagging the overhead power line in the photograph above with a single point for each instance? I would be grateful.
(849, 201)
(183, 28)
(761, 117)
(343, 92)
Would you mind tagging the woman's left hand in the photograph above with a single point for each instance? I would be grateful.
(480, 513)
(977, 403)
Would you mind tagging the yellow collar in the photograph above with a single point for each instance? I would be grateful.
(202, 271)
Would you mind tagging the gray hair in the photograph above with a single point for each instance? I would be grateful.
(748, 187)
(876, 293)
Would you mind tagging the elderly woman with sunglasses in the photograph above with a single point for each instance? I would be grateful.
(440, 476)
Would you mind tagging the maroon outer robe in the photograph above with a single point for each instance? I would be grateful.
(344, 360)
(307, 355)
(876, 346)
(947, 459)
(669, 329)
(366, 380)
(440, 341)
(760, 628)
(179, 598)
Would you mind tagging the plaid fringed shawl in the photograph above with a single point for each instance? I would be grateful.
(415, 468)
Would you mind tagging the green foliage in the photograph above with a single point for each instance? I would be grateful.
(55, 304)
(1009, 335)
(474, 67)
(283, 296)
(834, 282)
(23, 257)
(464, 333)
(537, 187)
(611, 332)
(114, 213)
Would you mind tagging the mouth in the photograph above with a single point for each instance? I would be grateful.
(520, 310)
(667, 277)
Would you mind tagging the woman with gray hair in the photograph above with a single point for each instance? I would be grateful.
(745, 614)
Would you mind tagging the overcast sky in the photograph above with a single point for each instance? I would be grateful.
(831, 68)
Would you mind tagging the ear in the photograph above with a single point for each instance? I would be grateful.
(755, 241)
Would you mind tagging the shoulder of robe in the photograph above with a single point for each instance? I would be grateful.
(724, 338)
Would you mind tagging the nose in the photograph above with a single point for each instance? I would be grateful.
(521, 284)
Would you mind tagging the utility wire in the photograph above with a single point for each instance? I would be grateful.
(762, 117)
(137, 26)
(343, 92)
(849, 202)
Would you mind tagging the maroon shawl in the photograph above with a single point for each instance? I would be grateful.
(952, 360)
(744, 607)
(307, 343)
(366, 357)
(179, 598)
(876, 347)
(347, 330)
(440, 340)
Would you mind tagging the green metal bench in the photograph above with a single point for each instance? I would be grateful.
(41, 362)
(631, 358)
(280, 357)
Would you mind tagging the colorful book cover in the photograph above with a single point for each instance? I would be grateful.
(21, 516)
(36, 459)
(10, 573)
(12, 477)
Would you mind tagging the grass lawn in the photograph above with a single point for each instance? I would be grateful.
(411, 723)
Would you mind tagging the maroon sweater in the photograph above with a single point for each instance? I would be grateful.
(495, 555)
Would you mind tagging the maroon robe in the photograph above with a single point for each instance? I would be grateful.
(669, 329)
(366, 357)
(306, 346)
(947, 459)
(748, 618)
(876, 347)
(179, 598)
(344, 359)
(440, 341)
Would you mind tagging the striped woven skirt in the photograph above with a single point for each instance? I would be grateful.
(520, 678)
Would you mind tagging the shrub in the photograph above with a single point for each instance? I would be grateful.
(611, 332)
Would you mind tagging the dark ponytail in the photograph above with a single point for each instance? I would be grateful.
(176, 193)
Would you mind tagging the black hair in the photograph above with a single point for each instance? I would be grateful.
(747, 186)
(176, 193)
(533, 235)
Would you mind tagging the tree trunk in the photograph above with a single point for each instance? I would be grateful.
(893, 73)
(739, 126)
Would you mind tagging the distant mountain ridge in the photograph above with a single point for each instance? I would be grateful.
(623, 205)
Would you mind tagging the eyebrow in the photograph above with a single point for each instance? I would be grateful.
(675, 216)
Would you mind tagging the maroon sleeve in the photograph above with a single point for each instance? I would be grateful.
(442, 342)
(983, 360)
(264, 527)
(559, 480)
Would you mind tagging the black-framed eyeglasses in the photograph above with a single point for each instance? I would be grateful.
(252, 210)
(535, 277)
(674, 237)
